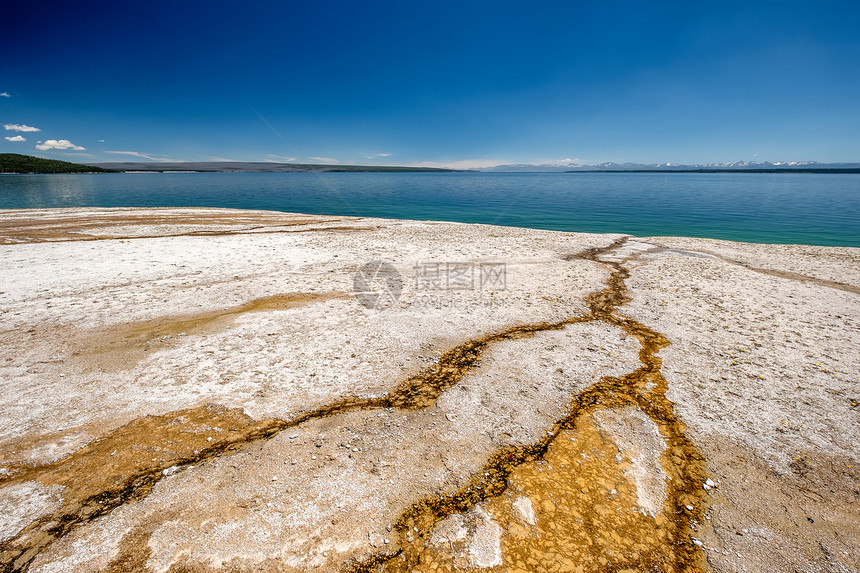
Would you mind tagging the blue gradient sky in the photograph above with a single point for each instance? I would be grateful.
(441, 83)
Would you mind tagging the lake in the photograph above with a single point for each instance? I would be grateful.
(816, 209)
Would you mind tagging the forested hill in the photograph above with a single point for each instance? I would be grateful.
(17, 163)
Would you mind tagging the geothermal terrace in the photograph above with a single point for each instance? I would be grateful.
(214, 390)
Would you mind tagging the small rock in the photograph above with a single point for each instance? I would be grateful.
(524, 510)
(375, 539)
(697, 543)
(689, 507)
(293, 436)
(274, 478)
(449, 417)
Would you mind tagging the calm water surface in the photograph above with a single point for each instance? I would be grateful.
(816, 209)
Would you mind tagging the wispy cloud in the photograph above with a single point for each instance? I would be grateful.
(377, 155)
(461, 164)
(19, 127)
(325, 159)
(145, 156)
(16, 138)
(4, 94)
(58, 144)
(564, 161)
(272, 158)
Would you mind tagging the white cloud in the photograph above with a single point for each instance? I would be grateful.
(16, 138)
(58, 144)
(378, 155)
(19, 127)
(4, 94)
(325, 159)
(462, 164)
(144, 156)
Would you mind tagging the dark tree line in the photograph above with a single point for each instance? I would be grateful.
(17, 163)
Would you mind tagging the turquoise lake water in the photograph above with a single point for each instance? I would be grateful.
(816, 209)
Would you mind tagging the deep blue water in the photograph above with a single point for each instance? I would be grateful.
(818, 209)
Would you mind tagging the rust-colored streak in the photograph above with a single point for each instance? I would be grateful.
(121, 467)
(124, 345)
(787, 274)
(89, 227)
(586, 516)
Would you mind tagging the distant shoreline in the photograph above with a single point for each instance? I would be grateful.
(17, 164)
(260, 167)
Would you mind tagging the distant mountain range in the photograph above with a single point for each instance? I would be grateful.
(748, 166)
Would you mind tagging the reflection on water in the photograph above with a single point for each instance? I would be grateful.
(69, 190)
(45, 191)
(772, 208)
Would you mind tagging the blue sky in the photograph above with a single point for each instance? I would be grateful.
(444, 83)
